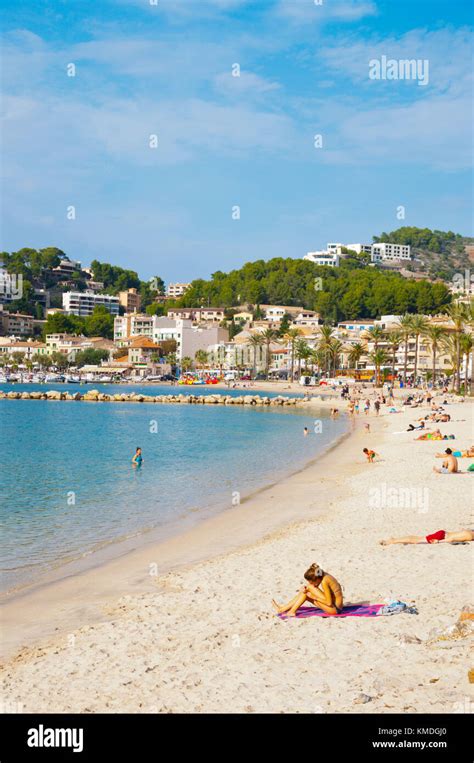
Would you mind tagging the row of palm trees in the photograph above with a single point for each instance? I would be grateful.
(455, 341)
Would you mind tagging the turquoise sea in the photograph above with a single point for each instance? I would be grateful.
(67, 485)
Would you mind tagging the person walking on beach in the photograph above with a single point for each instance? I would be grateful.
(377, 407)
(322, 590)
(137, 459)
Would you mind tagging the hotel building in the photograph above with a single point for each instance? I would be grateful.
(83, 302)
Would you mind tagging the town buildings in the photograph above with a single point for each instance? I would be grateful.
(83, 302)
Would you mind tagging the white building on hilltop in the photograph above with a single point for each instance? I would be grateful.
(384, 252)
(323, 257)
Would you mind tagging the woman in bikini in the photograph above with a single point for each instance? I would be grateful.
(459, 536)
(322, 590)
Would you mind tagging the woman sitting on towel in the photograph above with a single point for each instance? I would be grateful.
(322, 590)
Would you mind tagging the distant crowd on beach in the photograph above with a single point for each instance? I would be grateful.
(321, 589)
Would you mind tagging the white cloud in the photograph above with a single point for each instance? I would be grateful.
(246, 85)
(308, 11)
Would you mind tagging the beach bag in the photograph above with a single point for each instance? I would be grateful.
(470, 468)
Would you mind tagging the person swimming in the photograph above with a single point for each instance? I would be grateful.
(137, 459)
(322, 590)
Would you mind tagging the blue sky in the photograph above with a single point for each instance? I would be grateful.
(226, 141)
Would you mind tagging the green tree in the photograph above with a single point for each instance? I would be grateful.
(90, 357)
(255, 341)
(269, 336)
(434, 335)
(459, 313)
(357, 351)
(186, 364)
(419, 324)
(378, 358)
(201, 358)
(100, 323)
(291, 337)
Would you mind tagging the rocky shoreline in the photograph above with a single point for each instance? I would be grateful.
(94, 396)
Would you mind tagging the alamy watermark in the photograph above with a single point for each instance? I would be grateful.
(11, 285)
(386, 497)
(402, 68)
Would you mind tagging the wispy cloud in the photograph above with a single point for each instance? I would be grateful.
(306, 11)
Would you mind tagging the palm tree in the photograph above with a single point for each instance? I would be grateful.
(291, 336)
(326, 335)
(460, 314)
(404, 326)
(378, 358)
(357, 351)
(434, 335)
(335, 349)
(394, 340)
(419, 324)
(302, 352)
(255, 341)
(269, 335)
(186, 363)
(450, 347)
(375, 335)
(317, 358)
(201, 357)
(466, 342)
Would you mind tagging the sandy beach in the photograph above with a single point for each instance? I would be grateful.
(188, 626)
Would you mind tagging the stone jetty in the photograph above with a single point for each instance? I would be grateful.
(94, 396)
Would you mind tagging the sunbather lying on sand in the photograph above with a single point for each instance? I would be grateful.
(460, 536)
(435, 435)
(449, 465)
(469, 453)
(322, 590)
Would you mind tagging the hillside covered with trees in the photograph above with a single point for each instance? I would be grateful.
(350, 291)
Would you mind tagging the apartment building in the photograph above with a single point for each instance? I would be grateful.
(70, 344)
(176, 290)
(188, 337)
(385, 252)
(66, 268)
(133, 324)
(82, 303)
(28, 349)
(275, 313)
(307, 319)
(198, 314)
(323, 258)
(130, 300)
(143, 350)
(15, 324)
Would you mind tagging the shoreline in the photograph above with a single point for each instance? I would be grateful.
(200, 634)
(185, 531)
(119, 547)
